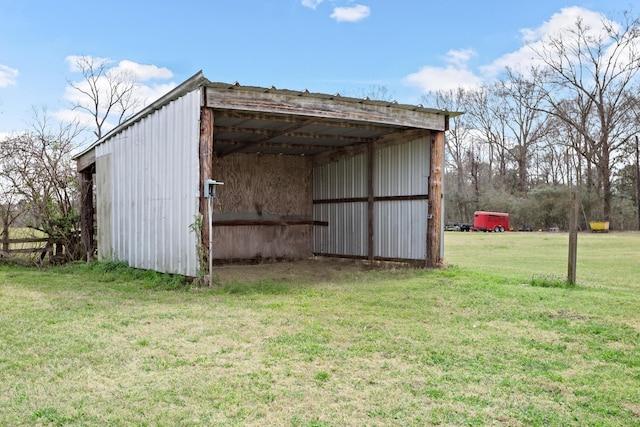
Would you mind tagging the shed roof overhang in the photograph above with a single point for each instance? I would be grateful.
(274, 121)
(250, 119)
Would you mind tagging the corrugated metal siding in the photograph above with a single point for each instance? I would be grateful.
(103, 204)
(347, 230)
(402, 170)
(155, 188)
(400, 227)
(344, 178)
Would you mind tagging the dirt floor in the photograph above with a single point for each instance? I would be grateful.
(312, 270)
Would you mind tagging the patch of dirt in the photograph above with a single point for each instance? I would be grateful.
(567, 315)
(312, 270)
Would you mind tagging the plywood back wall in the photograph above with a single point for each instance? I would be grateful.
(279, 185)
(263, 186)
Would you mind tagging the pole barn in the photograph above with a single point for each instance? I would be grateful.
(304, 174)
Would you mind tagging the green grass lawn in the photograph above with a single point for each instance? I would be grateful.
(610, 260)
(332, 343)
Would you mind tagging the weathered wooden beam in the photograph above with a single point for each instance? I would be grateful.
(87, 211)
(272, 146)
(286, 118)
(406, 261)
(29, 240)
(302, 135)
(86, 160)
(272, 136)
(434, 221)
(206, 170)
(395, 136)
(375, 199)
(370, 201)
(277, 103)
(249, 222)
(29, 250)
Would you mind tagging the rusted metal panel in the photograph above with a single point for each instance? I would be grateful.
(155, 188)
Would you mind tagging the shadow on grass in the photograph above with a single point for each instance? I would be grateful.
(551, 282)
(266, 287)
(119, 271)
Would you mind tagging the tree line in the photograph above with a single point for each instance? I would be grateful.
(568, 121)
(39, 184)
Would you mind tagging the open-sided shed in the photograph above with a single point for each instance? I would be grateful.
(304, 174)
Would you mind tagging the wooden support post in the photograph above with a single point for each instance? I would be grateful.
(87, 211)
(573, 238)
(370, 200)
(5, 235)
(206, 172)
(434, 222)
(638, 179)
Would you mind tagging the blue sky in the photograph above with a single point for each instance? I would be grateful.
(329, 46)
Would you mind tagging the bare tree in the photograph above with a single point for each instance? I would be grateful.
(521, 99)
(107, 93)
(587, 74)
(457, 144)
(373, 92)
(37, 167)
(488, 114)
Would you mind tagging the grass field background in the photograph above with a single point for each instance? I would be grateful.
(609, 260)
(328, 343)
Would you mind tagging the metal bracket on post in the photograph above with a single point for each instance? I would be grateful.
(209, 188)
(209, 193)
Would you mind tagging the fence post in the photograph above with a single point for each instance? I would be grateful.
(573, 238)
(5, 239)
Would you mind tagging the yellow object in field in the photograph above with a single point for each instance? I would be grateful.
(599, 226)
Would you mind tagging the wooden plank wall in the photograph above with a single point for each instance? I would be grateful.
(269, 189)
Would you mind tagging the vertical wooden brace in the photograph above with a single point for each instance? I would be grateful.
(370, 200)
(573, 238)
(206, 170)
(87, 211)
(434, 222)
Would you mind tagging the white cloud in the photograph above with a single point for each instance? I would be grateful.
(456, 74)
(75, 61)
(459, 58)
(143, 72)
(312, 4)
(149, 85)
(140, 72)
(351, 14)
(8, 76)
(561, 21)
(6, 135)
(560, 24)
(80, 117)
(149, 93)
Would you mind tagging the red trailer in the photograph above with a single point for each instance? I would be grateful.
(490, 221)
